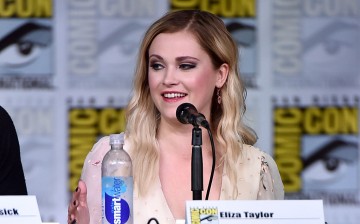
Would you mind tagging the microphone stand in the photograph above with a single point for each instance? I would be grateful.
(196, 164)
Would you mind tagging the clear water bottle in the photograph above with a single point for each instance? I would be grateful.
(117, 183)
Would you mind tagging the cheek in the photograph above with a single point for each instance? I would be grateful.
(200, 89)
(206, 84)
(152, 87)
(153, 82)
(206, 79)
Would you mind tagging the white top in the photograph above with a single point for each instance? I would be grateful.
(259, 179)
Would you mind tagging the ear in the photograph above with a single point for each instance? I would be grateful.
(222, 75)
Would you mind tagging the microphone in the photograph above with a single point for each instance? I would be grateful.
(186, 113)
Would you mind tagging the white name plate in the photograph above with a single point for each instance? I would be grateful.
(19, 210)
(255, 212)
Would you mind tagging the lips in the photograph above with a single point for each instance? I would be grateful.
(173, 95)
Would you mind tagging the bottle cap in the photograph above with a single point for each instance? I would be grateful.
(117, 139)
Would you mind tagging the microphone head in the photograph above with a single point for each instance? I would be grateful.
(187, 113)
(182, 112)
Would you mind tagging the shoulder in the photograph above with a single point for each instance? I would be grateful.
(250, 159)
(3, 112)
(101, 145)
(262, 158)
(8, 137)
(249, 149)
(252, 152)
(98, 151)
(265, 159)
(96, 154)
(5, 119)
(269, 174)
(266, 165)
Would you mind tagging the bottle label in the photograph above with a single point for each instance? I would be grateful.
(117, 199)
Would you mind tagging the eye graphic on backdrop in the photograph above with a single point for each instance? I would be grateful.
(332, 38)
(333, 46)
(243, 34)
(325, 48)
(330, 162)
(119, 48)
(23, 45)
(208, 219)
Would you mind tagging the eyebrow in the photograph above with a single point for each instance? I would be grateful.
(181, 58)
(155, 56)
(186, 57)
(20, 32)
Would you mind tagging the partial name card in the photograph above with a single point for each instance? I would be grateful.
(255, 212)
(19, 210)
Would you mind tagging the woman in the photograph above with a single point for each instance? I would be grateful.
(185, 56)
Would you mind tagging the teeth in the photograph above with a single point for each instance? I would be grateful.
(174, 95)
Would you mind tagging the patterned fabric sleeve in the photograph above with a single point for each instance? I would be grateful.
(91, 175)
(271, 186)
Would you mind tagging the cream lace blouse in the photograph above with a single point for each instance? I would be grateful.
(259, 179)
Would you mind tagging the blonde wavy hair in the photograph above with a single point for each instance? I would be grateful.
(225, 118)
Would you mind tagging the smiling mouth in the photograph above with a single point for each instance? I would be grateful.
(173, 95)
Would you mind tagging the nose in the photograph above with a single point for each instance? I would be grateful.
(170, 77)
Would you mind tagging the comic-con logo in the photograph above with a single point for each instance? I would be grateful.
(316, 148)
(204, 215)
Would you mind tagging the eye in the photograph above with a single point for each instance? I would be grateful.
(207, 218)
(187, 66)
(19, 54)
(24, 45)
(334, 161)
(332, 46)
(332, 164)
(156, 66)
(244, 34)
(113, 52)
(327, 169)
(332, 40)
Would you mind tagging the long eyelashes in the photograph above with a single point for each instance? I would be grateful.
(156, 66)
(185, 66)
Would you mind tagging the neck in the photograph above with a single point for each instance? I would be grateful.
(177, 140)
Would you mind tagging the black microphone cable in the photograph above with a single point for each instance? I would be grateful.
(213, 163)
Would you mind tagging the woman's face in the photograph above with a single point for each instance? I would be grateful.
(181, 71)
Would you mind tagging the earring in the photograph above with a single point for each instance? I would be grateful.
(218, 96)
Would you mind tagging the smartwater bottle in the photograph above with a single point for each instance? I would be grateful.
(117, 183)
